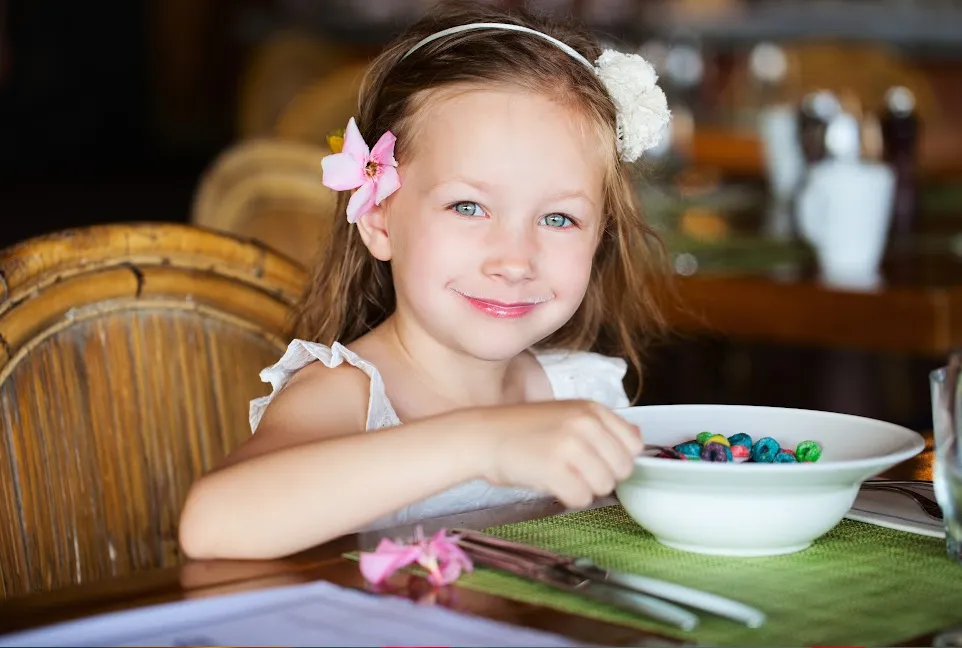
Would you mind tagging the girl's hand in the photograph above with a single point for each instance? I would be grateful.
(575, 450)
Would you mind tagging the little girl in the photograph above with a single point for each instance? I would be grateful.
(491, 239)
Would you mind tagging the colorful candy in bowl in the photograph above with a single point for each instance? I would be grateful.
(753, 508)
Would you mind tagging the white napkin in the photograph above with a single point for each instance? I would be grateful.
(896, 511)
(310, 614)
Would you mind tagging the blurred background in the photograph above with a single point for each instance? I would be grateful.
(216, 112)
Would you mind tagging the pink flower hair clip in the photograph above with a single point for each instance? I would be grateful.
(440, 556)
(372, 172)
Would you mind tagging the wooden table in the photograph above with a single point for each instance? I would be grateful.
(911, 319)
(917, 311)
(327, 562)
(921, 466)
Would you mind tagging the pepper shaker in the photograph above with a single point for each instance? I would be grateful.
(817, 110)
(900, 136)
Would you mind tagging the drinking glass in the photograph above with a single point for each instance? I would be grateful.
(947, 426)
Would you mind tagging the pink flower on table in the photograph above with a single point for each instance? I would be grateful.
(372, 172)
(444, 559)
(440, 556)
(378, 565)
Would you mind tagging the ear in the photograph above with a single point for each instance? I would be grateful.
(373, 229)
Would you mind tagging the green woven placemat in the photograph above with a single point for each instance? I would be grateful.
(858, 585)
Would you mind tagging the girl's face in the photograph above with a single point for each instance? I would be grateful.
(492, 233)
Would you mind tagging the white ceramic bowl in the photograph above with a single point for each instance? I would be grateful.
(749, 509)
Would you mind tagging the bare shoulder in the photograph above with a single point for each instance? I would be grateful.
(319, 402)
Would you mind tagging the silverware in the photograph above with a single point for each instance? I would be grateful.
(929, 506)
(901, 482)
(549, 569)
(639, 594)
(698, 599)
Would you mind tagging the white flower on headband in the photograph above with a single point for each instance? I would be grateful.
(643, 113)
(630, 80)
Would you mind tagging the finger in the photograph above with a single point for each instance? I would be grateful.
(627, 433)
(570, 487)
(586, 460)
(610, 449)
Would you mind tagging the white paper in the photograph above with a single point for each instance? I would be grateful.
(896, 511)
(314, 614)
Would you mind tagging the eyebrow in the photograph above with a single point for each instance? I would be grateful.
(480, 185)
(484, 187)
(577, 193)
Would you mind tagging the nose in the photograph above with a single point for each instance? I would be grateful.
(511, 253)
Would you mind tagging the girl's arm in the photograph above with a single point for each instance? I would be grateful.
(307, 476)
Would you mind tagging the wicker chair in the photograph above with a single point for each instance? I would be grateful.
(269, 190)
(322, 105)
(128, 355)
(278, 69)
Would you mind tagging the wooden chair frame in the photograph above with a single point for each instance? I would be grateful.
(54, 282)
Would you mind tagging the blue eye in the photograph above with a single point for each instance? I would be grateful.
(467, 208)
(559, 221)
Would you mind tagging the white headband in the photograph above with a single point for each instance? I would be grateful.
(570, 51)
(629, 79)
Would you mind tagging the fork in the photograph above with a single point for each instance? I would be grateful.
(929, 506)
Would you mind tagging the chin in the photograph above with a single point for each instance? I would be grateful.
(494, 350)
(499, 343)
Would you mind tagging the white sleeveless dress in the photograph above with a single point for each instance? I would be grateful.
(572, 374)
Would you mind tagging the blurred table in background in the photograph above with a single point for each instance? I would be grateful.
(921, 466)
(921, 320)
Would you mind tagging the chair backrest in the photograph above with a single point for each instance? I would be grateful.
(270, 190)
(277, 69)
(323, 105)
(128, 356)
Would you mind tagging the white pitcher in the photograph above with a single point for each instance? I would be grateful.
(845, 210)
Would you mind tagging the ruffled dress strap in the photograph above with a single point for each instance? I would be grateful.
(299, 354)
(586, 375)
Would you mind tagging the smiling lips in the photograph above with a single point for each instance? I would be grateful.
(502, 310)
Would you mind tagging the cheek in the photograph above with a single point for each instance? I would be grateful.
(568, 267)
(428, 254)
(407, 227)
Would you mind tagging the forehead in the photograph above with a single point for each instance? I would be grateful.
(506, 135)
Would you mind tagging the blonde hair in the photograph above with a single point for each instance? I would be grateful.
(351, 292)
